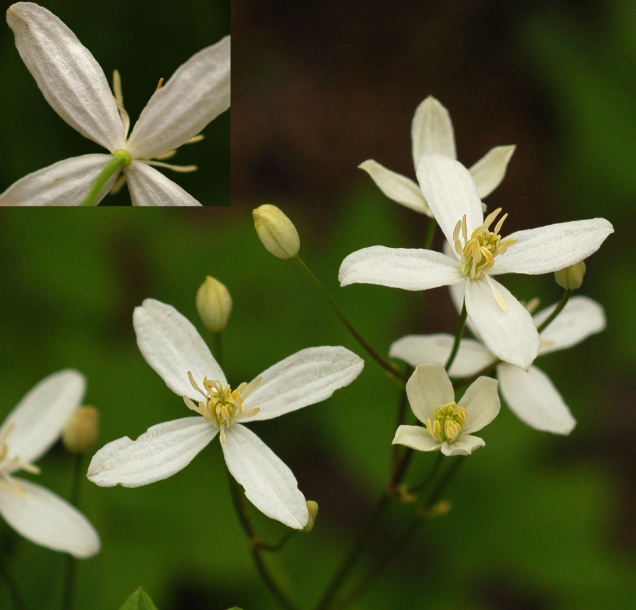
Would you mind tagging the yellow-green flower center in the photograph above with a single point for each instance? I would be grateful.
(221, 404)
(9, 464)
(447, 423)
(478, 253)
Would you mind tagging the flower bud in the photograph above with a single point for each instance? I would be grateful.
(312, 507)
(214, 304)
(571, 277)
(82, 430)
(276, 231)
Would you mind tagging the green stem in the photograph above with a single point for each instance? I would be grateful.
(12, 588)
(121, 159)
(257, 546)
(68, 592)
(350, 561)
(393, 370)
(458, 337)
(430, 233)
(217, 348)
(557, 310)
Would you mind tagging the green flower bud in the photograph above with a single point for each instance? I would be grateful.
(82, 430)
(276, 231)
(214, 304)
(571, 277)
(312, 507)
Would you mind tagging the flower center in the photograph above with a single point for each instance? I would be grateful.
(447, 423)
(478, 253)
(8, 465)
(221, 404)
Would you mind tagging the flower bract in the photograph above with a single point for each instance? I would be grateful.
(175, 350)
(75, 86)
(26, 434)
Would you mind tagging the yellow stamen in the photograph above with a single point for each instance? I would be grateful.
(447, 423)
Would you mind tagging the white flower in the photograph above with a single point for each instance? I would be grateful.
(174, 349)
(530, 394)
(432, 134)
(27, 433)
(75, 86)
(448, 424)
(476, 254)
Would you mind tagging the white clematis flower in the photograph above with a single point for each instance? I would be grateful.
(477, 253)
(176, 351)
(448, 425)
(530, 394)
(432, 134)
(75, 86)
(27, 433)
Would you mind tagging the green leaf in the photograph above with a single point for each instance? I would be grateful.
(139, 600)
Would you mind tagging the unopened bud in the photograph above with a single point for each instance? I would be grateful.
(437, 510)
(214, 304)
(312, 507)
(82, 430)
(571, 277)
(276, 231)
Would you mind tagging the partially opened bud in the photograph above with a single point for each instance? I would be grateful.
(312, 507)
(214, 304)
(276, 231)
(571, 277)
(82, 430)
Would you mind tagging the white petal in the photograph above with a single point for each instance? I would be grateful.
(409, 269)
(63, 183)
(416, 438)
(160, 452)
(195, 95)
(509, 335)
(481, 400)
(397, 187)
(450, 192)
(269, 484)
(580, 318)
(305, 378)
(464, 445)
(534, 400)
(39, 418)
(427, 389)
(48, 520)
(490, 170)
(432, 130)
(172, 347)
(471, 358)
(552, 248)
(66, 72)
(149, 187)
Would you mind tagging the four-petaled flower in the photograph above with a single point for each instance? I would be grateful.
(530, 394)
(476, 254)
(27, 433)
(448, 425)
(432, 134)
(75, 86)
(175, 350)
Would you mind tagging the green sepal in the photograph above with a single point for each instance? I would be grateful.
(139, 600)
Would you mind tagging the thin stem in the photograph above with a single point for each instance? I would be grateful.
(557, 310)
(393, 370)
(430, 233)
(217, 348)
(458, 337)
(12, 588)
(121, 159)
(246, 523)
(431, 475)
(70, 572)
(355, 551)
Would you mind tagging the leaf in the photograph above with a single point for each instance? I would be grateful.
(139, 600)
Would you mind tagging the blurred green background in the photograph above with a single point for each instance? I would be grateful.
(145, 40)
(538, 521)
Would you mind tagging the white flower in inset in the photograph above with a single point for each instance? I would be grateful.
(175, 350)
(75, 86)
(432, 134)
(27, 433)
(530, 394)
(448, 425)
(477, 253)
